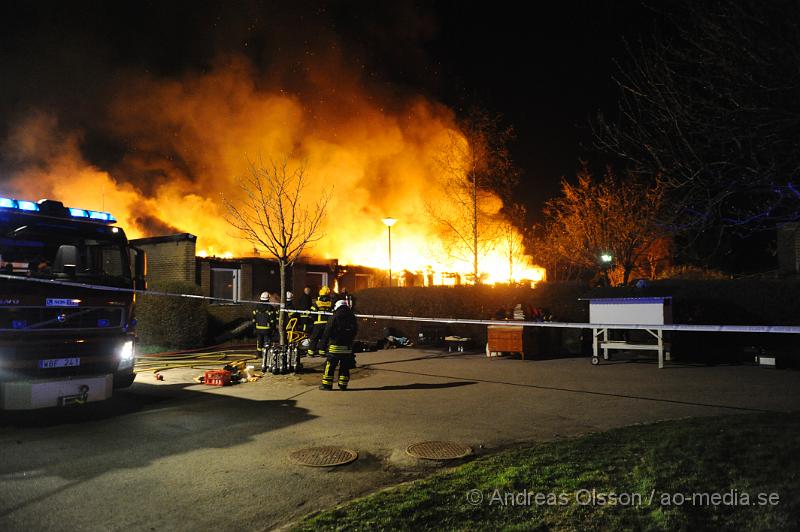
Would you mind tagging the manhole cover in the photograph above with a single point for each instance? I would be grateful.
(438, 450)
(323, 456)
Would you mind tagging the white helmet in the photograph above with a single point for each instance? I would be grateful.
(289, 296)
(341, 303)
(264, 296)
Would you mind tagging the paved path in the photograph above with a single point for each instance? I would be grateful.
(177, 456)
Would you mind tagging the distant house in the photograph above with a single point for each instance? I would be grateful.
(174, 258)
(356, 278)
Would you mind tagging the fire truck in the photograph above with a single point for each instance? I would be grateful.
(67, 329)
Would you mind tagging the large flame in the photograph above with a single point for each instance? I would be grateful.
(187, 140)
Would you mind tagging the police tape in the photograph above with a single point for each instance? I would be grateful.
(773, 329)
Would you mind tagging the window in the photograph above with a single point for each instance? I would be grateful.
(316, 280)
(33, 250)
(225, 284)
(363, 281)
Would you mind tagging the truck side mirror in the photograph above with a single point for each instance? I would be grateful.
(140, 269)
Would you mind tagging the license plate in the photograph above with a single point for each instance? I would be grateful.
(59, 363)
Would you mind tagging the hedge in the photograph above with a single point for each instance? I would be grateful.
(183, 323)
(172, 322)
(726, 302)
(464, 302)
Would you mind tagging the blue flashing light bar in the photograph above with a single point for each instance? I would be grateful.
(102, 216)
(92, 215)
(27, 205)
(23, 205)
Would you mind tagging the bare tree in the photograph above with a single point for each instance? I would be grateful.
(711, 105)
(612, 216)
(275, 217)
(511, 238)
(475, 169)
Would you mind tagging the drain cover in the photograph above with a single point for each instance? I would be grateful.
(438, 450)
(323, 456)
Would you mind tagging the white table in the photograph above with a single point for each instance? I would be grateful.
(629, 311)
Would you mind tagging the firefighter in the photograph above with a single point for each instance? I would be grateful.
(324, 304)
(304, 303)
(265, 318)
(344, 294)
(338, 338)
(305, 300)
(291, 317)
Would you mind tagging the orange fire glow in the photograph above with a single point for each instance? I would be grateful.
(189, 139)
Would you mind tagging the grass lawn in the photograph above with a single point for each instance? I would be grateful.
(643, 467)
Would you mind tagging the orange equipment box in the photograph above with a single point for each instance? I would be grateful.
(217, 377)
(505, 338)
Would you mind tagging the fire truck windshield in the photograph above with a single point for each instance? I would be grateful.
(63, 252)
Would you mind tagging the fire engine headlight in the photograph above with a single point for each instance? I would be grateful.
(126, 355)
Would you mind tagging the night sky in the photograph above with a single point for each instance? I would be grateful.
(546, 68)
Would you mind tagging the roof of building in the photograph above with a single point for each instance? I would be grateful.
(179, 237)
(232, 260)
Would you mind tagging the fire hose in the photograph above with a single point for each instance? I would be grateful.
(194, 359)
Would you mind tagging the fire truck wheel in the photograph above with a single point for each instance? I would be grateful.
(123, 380)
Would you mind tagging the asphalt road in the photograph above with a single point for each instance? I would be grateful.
(174, 455)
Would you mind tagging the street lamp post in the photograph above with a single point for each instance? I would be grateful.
(606, 259)
(389, 222)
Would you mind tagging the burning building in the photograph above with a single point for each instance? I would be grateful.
(175, 258)
(181, 144)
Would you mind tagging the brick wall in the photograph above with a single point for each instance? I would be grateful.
(170, 261)
(205, 278)
(246, 282)
(266, 278)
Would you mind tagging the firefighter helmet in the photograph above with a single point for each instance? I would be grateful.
(340, 303)
(324, 291)
(289, 296)
(264, 296)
